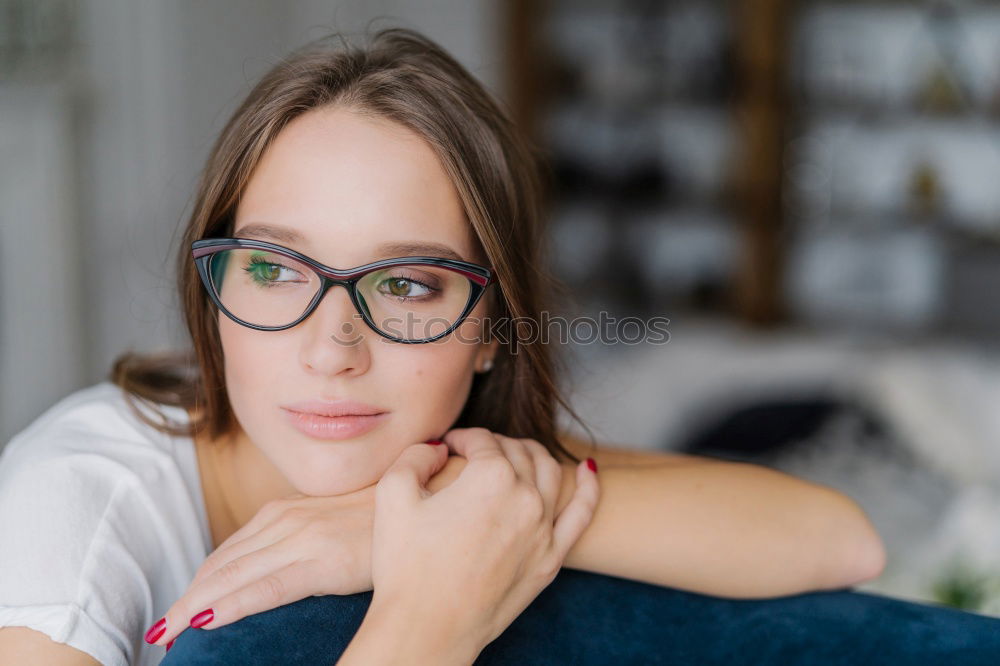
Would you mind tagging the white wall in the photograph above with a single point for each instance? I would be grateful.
(156, 82)
(43, 343)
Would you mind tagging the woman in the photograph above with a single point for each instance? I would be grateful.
(364, 221)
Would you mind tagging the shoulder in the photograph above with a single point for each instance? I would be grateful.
(90, 459)
(100, 408)
(95, 431)
(75, 475)
(88, 473)
(86, 489)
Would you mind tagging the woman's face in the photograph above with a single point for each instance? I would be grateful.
(346, 185)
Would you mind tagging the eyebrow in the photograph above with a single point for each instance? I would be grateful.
(385, 250)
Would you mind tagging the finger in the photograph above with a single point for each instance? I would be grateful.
(407, 476)
(287, 585)
(253, 536)
(548, 476)
(474, 444)
(231, 576)
(520, 458)
(223, 555)
(577, 514)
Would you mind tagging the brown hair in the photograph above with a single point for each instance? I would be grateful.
(404, 77)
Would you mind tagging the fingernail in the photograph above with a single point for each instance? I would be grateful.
(202, 618)
(434, 441)
(156, 630)
(169, 644)
(592, 465)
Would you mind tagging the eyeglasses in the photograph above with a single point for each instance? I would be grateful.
(268, 287)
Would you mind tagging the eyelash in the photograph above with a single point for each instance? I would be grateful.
(433, 290)
(259, 261)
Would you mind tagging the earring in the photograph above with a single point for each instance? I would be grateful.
(487, 365)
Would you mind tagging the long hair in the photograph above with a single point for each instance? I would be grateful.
(404, 77)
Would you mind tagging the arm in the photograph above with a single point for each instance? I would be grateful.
(726, 529)
(715, 527)
(616, 456)
(21, 645)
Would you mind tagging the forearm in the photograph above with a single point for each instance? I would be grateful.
(725, 529)
(391, 636)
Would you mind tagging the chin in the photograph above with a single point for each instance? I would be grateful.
(328, 487)
(325, 475)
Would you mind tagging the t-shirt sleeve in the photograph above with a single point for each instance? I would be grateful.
(71, 564)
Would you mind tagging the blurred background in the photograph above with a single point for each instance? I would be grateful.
(807, 190)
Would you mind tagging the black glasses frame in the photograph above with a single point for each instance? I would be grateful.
(479, 278)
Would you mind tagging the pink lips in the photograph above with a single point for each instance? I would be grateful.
(333, 420)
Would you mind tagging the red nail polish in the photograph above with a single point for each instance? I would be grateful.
(434, 441)
(202, 618)
(170, 644)
(156, 630)
(592, 464)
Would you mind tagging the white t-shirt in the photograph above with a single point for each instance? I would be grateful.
(102, 525)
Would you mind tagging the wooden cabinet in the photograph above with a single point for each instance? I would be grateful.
(821, 163)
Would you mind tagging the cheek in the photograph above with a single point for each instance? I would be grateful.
(440, 373)
(430, 382)
(243, 352)
(424, 386)
(255, 369)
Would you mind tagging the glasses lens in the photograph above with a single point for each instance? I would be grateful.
(262, 287)
(405, 301)
(414, 301)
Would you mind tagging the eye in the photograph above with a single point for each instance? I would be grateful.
(268, 273)
(404, 287)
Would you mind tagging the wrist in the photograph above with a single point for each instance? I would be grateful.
(396, 634)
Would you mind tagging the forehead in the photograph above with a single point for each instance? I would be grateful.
(346, 188)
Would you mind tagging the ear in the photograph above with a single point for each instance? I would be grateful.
(487, 352)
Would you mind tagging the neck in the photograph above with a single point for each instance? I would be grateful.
(249, 480)
(237, 481)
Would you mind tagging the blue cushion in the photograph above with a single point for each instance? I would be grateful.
(584, 618)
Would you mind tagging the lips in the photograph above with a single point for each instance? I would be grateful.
(339, 420)
(331, 409)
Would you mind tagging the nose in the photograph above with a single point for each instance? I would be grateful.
(334, 336)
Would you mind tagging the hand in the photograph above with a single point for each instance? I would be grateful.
(292, 548)
(462, 563)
